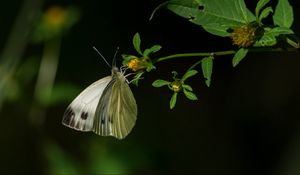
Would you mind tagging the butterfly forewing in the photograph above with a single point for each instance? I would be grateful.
(80, 113)
(117, 109)
(102, 121)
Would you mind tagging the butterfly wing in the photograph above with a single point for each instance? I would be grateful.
(80, 113)
(117, 110)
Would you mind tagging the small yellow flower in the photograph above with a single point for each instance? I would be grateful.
(55, 16)
(246, 35)
(134, 64)
(176, 86)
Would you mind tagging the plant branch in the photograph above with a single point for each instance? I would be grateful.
(220, 53)
(195, 64)
(293, 43)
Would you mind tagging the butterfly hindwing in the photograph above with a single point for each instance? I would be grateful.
(117, 110)
(80, 113)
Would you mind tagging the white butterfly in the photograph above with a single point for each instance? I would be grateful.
(107, 107)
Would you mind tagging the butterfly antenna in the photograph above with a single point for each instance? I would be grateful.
(115, 57)
(101, 56)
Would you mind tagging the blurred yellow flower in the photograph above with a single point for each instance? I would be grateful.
(55, 16)
(55, 22)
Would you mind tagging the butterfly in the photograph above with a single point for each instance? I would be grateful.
(106, 107)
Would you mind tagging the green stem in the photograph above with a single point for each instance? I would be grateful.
(48, 68)
(220, 53)
(293, 43)
(228, 52)
(45, 80)
(195, 64)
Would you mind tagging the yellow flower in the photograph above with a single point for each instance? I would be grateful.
(134, 64)
(246, 35)
(55, 16)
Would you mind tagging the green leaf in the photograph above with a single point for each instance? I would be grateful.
(217, 29)
(207, 66)
(137, 43)
(259, 6)
(160, 83)
(173, 100)
(269, 37)
(150, 66)
(152, 49)
(137, 77)
(188, 74)
(214, 16)
(265, 13)
(281, 31)
(187, 87)
(293, 41)
(190, 95)
(127, 58)
(239, 55)
(283, 15)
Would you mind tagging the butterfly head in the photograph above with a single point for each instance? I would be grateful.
(114, 70)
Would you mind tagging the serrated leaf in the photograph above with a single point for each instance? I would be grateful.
(265, 13)
(188, 74)
(190, 95)
(259, 6)
(152, 49)
(239, 55)
(160, 83)
(137, 43)
(214, 16)
(207, 67)
(187, 87)
(269, 37)
(283, 15)
(173, 100)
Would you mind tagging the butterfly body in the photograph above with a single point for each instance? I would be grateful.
(107, 107)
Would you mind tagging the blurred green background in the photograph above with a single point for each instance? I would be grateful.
(247, 122)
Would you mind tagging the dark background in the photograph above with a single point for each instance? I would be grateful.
(247, 122)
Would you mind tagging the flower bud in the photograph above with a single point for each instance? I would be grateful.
(246, 35)
(176, 86)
